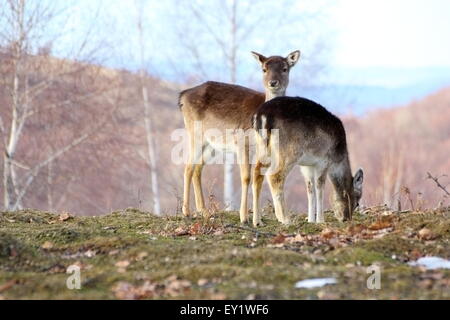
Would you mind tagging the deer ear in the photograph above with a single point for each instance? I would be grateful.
(293, 57)
(358, 180)
(259, 57)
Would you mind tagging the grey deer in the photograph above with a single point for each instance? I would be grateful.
(310, 136)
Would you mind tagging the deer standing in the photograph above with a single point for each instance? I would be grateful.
(221, 106)
(312, 137)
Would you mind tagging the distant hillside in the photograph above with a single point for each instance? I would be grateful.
(360, 90)
(397, 147)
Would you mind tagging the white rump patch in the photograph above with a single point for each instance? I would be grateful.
(263, 122)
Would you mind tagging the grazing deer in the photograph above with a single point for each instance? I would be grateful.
(312, 137)
(222, 107)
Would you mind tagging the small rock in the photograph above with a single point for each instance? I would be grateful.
(426, 234)
(64, 216)
(47, 245)
(90, 253)
(202, 282)
(122, 264)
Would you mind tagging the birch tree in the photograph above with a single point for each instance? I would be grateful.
(218, 35)
(151, 161)
(25, 31)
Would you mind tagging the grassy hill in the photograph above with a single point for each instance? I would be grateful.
(136, 255)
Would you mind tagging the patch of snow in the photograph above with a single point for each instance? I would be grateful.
(431, 263)
(315, 283)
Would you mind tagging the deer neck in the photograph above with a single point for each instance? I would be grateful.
(270, 94)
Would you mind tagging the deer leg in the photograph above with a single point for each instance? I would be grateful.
(245, 182)
(194, 159)
(197, 182)
(258, 180)
(308, 174)
(197, 179)
(276, 184)
(244, 166)
(188, 171)
(320, 176)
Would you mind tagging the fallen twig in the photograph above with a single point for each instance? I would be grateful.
(7, 285)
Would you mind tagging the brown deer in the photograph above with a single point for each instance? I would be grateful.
(222, 107)
(310, 136)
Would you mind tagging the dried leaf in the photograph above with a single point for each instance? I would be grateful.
(426, 234)
(355, 229)
(113, 252)
(380, 224)
(323, 295)
(124, 291)
(122, 264)
(8, 285)
(195, 228)
(175, 286)
(328, 233)
(296, 238)
(180, 231)
(280, 238)
(64, 216)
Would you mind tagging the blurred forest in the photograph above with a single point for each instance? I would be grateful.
(80, 137)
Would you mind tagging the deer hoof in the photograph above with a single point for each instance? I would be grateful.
(186, 212)
(258, 224)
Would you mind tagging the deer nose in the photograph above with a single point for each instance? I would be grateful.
(273, 83)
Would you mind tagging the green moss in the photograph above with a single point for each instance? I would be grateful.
(235, 263)
(359, 256)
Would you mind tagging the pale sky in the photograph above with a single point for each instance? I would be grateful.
(360, 33)
(387, 43)
(392, 33)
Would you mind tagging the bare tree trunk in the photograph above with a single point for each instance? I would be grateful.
(148, 121)
(49, 186)
(228, 187)
(9, 194)
(9, 176)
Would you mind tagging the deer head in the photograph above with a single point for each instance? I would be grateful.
(276, 72)
(347, 200)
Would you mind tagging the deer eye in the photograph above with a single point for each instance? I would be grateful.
(264, 70)
(285, 70)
